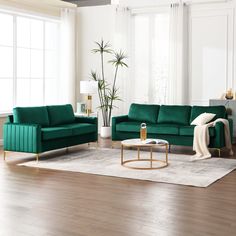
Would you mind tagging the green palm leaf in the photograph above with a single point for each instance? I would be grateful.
(102, 47)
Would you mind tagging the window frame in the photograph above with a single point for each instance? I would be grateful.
(14, 78)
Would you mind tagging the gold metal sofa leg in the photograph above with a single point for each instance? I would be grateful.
(114, 143)
(4, 155)
(219, 151)
(37, 157)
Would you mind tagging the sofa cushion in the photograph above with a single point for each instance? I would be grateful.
(31, 115)
(220, 111)
(143, 112)
(189, 131)
(55, 132)
(81, 128)
(60, 114)
(130, 126)
(174, 115)
(170, 129)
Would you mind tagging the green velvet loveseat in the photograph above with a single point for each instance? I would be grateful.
(45, 128)
(168, 122)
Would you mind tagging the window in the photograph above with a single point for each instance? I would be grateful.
(150, 57)
(29, 61)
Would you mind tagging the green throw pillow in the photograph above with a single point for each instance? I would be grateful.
(143, 112)
(174, 114)
(61, 114)
(31, 115)
(220, 111)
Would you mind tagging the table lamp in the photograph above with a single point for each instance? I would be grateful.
(88, 87)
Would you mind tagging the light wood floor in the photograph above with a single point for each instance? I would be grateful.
(45, 202)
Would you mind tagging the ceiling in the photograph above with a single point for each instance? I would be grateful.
(83, 3)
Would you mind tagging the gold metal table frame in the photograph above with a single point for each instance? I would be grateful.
(138, 144)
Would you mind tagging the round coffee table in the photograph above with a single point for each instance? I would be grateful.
(137, 143)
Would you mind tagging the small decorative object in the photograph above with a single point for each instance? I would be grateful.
(151, 142)
(81, 107)
(88, 88)
(143, 132)
(107, 90)
(229, 94)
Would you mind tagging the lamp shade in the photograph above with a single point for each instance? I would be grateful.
(88, 87)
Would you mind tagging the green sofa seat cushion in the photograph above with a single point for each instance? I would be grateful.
(174, 115)
(60, 114)
(170, 129)
(131, 126)
(220, 111)
(81, 128)
(31, 115)
(189, 131)
(128, 126)
(55, 132)
(143, 112)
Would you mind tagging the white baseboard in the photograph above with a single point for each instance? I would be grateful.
(1, 142)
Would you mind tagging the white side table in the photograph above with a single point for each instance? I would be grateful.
(229, 104)
(93, 114)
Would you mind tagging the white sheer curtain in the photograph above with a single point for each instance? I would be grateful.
(150, 57)
(122, 42)
(67, 57)
(177, 86)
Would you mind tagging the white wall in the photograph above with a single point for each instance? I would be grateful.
(211, 52)
(211, 64)
(94, 23)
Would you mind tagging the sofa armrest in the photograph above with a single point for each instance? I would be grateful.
(10, 119)
(22, 137)
(86, 119)
(116, 120)
(219, 140)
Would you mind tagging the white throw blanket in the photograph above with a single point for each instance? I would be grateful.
(201, 139)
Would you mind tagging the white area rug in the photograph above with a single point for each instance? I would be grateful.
(181, 169)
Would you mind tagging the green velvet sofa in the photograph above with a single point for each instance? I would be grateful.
(168, 122)
(45, 128)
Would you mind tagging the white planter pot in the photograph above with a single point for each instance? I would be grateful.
(105, 132)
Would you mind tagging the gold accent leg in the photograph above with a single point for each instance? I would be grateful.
(219, 151)
(4, 155)
(151, 156)
(138, 153)
(122, 154)
(37, 157)
(167, 147)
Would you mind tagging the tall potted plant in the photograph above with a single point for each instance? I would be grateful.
(107, 90)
